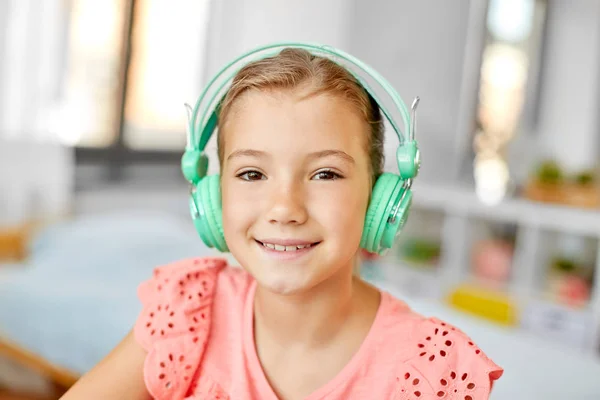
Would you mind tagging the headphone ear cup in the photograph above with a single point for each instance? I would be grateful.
(391, 229)
(382, 202)
(209, 222)
(216, 212)
(199, 216)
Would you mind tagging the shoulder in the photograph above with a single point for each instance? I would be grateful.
(174, 280)
(177, 297)
(434, 358)
(176, 316)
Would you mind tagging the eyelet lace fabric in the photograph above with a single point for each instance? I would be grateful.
(443, 363)
(432, 359)
(174, 323)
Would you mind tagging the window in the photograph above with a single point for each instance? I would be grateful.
(165, 71)
(87, 112)
(109, 78)
(508, 86)
(154, 65)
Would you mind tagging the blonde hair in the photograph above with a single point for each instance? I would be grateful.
(293, 68)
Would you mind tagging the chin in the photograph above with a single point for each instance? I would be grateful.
(286, 284)
(286, 279)
(289, 277)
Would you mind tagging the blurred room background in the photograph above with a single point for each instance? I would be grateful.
(503, 240)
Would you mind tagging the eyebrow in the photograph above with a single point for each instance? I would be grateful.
(316, 155)
(247, 153)
(333, 153)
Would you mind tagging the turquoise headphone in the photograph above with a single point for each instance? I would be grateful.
(391, 198)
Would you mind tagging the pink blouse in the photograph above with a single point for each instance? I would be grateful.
(197, 327)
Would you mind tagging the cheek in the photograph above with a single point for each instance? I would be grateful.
(241, 205)
(235, 212)
(342, 211)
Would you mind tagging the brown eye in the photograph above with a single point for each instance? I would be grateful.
(251, 176)
(327, 175)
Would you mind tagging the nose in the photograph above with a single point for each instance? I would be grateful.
(287, 204)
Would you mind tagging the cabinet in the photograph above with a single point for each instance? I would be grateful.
(523, 245)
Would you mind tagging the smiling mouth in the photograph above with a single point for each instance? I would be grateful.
(287, 248)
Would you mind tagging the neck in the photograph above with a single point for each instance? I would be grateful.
(310, 319)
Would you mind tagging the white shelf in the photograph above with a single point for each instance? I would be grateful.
(463, 201)
(533, 221)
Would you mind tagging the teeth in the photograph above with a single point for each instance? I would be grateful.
(285, 248)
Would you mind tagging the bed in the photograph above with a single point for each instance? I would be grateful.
(75, 298)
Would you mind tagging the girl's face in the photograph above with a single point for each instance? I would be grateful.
(295, 188)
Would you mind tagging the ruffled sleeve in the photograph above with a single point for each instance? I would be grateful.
(444, 363)
(174, 323)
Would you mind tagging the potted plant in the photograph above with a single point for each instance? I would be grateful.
(551, 185)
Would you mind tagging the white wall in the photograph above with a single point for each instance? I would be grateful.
(240, 25)
(36, 181)
(569, 127)
(419, 47)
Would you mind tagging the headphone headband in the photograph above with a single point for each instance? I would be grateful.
(391, 194)
(208, 126)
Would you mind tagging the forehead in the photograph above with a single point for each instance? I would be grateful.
(289, 121)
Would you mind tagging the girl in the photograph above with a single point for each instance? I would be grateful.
(300, 146)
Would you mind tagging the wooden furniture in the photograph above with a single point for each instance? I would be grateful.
(13, 243)
(9, 395)
(569, 194)
(61, 378)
